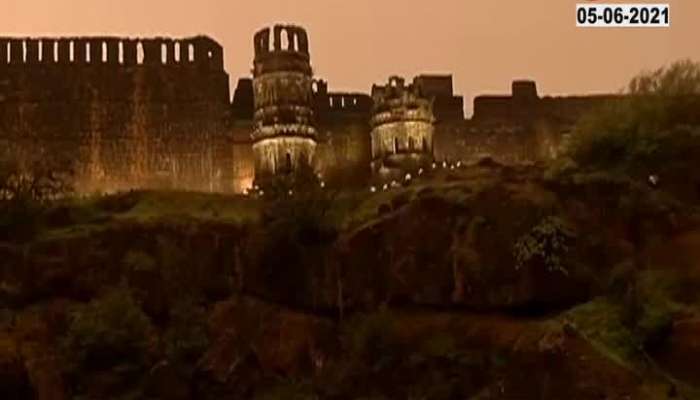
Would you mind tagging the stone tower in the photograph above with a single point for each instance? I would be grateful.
(402, 129)
(284, 136)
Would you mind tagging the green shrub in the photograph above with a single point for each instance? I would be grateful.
(548, 242)
(657, 290)
(298, 204)
(186, 338)
(654, 324)
(26, 188)
(623, 326)
(289, 249)
(108, 331)
(652, 128)
(600, 321)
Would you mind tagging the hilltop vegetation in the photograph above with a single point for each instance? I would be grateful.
(574, 279)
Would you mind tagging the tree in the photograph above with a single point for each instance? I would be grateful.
(109, 330)
(547, 244)
(654, 126)
(298, 202)
(26, 187)
(295, 236)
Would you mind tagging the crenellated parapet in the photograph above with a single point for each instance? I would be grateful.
(281, 48)
(402, 128)
(343, 105)
(286, 38)
(112, 69)
(349, 102)
(398, 102)
(129, 113)
(199, 51)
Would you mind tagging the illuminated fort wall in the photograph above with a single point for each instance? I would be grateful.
(343, 154)
(156, 113)
(128, 113)
(520, 127)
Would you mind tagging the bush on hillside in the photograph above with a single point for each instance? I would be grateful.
(547, 243)
(186, 338)
(108, 331)
(25, 190)
(653, 128)
(291, 245)
(298, 202)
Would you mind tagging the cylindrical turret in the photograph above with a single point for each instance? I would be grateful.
(284, 135)
(402, 129)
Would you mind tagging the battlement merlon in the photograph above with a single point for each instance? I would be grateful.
(446, 105)
(349, 102)
(198, 51)
(431, 85)
(288, 51)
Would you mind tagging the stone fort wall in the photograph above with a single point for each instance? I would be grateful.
(129, 113)
(156, 113)
(520, 127)
(343, 125)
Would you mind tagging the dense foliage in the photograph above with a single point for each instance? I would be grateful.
(296, 233)
(184, 295)
(25, 189)
(110, 329)
(653, 129)
(548, 243)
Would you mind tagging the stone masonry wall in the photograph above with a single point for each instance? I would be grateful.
(156, 113)
(343, 155)
(129, 113)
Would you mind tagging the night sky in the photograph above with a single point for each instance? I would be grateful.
(485, 44)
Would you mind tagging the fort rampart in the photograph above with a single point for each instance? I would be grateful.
(157, 113)
(127, 112)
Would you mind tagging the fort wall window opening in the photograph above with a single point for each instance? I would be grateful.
(285, 40)
(139, 53)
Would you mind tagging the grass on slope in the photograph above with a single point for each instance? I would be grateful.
(351, 208)
(83, 216)
(201, 206)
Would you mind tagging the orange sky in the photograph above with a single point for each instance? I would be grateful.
(355, 43)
